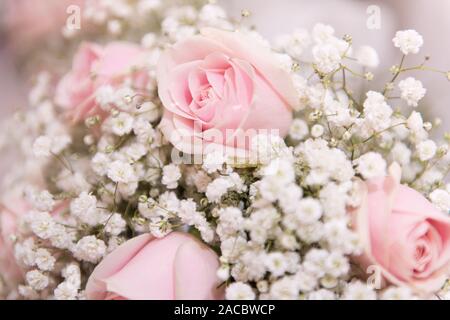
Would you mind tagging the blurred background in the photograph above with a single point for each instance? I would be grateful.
(26, 24)
(429, 18)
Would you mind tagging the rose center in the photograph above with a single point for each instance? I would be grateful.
(205, 95)
(422, 256)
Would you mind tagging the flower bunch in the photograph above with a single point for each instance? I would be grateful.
(182, 155)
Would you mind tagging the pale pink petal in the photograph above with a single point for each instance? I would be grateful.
(195, 273)
(115, 261)
(216, 62)
(179, 90)
(217, 81)
(196, 80)
(117, 59)
(199, 48)
(244, 76)
(267, 111)
(84, 58)
(63, 92)
(149, 275)
(246, 48)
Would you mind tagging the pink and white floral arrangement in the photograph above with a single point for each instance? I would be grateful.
(180, 155)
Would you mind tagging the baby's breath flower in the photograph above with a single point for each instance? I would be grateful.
(317, 131)
(441, 198)
(115, 224)
(213, 162)
(276, 263)
(412, 91)
(377, 112)
(367, 57)
(298, 130)
(44, 260)
(122, 124)
(104, 96)
(415, 122)
(62, 237)
(123, 98)
(308, 211)
(114, 27)
(322, 33)
(66, 291)
(239, 291)
(84, 207)
(409, 41)
(284, 289)
(223, 273)
(121, 172)
(426, 150)
(322, 294)
(100, 163)
(326, 57)
(171, 175)
(359, 291)
(90, 249)
(43, 201)
(148, 40)
(37, 280)
(397, 293)
(42, 146)
(43, 225)
(27, 292)
(217, 188)
(371, 165)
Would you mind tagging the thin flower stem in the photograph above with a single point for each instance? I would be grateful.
(396, 74)
(380, 132)
(422, 67)
(353, 72)
(350, 58)
(121, 142)
(347, 92)
(344, 82)
(65, 163)
(429, 166)
(115, 196)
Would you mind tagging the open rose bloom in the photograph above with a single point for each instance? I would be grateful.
(403, 234)
(175, 267)
(95, 66)
(221, 88)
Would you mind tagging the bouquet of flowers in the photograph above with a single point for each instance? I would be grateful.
(177, 154)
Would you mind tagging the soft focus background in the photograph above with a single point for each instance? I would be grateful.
(28, 23)
(429, 18)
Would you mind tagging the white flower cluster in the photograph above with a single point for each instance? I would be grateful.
(266, 237)
(409, 41)
(328, 50)
(278, 218)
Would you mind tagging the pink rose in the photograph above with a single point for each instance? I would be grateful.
(403, 234)
(10, 216)
(220, 81)
(94, 66)
(144, 268)
(29, 22)
(9, 270)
